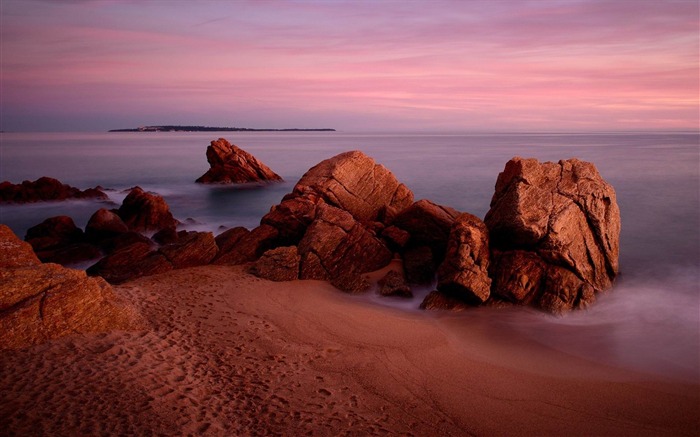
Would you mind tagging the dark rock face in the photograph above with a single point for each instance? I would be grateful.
(191, 249)
(58, 240)
(280, 264)
(44, 189)
(559, 224)
(39, 302)
(248, 246)
(464, 272)
(142, 211)
(394, 284)
(428, 224)
(105, 224)
(336, 247)
(436, 300)
(231, 164)
(130, 262)
(419, 265)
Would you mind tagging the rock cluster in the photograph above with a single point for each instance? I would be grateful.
(43, 189)
(232, 165)
(39, 301)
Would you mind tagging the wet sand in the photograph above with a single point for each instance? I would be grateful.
(228, 354)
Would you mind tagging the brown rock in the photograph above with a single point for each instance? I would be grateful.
(15, 252)
(39, 302)
(464, 272)
(228, 239)
(58, 240)
(280, 264)
(191, 249)
(519, 277)
(291, 218)
(396, 237)
(142, 211)
(428, 224)
(231, 164)
(353, 182)
(44, 189)
(566, 215)
(104, 224)
(337, 248)
(437, 300)
(394, 284)
(130, 262)
(419, 265)
(250, 246)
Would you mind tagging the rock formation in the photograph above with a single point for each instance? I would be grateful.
(554, 230)
(59, 240)
(394, 284)
(143, 211)
(464, 272)
(280, 264)
(44, 189)
(232, 165)
(39, 302)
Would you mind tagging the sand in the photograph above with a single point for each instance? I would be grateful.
(233, 355)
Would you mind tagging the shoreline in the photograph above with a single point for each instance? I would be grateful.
(229, 353)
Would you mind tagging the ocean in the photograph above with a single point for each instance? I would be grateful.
(649, 322)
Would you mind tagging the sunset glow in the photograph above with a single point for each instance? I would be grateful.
(451, 66)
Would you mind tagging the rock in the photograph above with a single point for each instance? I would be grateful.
(58, 240)
(353, 182)
(191, 249)
(428, 224)
(142, 211)
(44, 189)
(228, 239)
(165, 236)
(396, 237)
(436, 300)
(130, 262)
(280, 264)
(103, 225)
(248, 246)
(231, 164)
(394, 284)
(338, 248)
(291, 218)
(419, 265)
(15, 252)
(464, 272)
(39, 302)
(565, 216)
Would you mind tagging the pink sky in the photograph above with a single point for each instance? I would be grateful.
(540, 65)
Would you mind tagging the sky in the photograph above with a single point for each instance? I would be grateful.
(445, 66)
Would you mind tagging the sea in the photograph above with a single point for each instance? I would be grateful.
(649, 322)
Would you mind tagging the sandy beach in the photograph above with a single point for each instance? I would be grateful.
(226, 353)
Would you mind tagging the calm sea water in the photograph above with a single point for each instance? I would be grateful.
(650, 321)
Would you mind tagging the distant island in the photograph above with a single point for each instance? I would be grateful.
(212, 129)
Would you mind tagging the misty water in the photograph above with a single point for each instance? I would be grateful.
(649, 322)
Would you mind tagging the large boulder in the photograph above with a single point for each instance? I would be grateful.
(353, 182)
(280, 264)
(231, 164)
(104, 225)
(59, 240)
(338, 248)
(554, 230)
(464, 272)
(44, 189)
(143, 211)
(191, 249)
(130, 262)
(39, 302)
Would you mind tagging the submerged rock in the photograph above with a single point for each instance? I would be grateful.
(554, 230)
(232, 165)
(39, 302)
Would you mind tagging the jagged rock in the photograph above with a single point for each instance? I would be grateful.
(58, 240)
(464, 272)
(396, 237)
(353, 182)
(39, 302)
(337, 248)
(44, 189)
(248, 246)
(191, 249)
(291, 218)
(280, 264)
(419, 265)
(103, 225)
(231, 164)
(130, 262)
(142, 211)
(394, 284)
(436, 300)
(165, 236)
(565, 216)
(428, 224)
